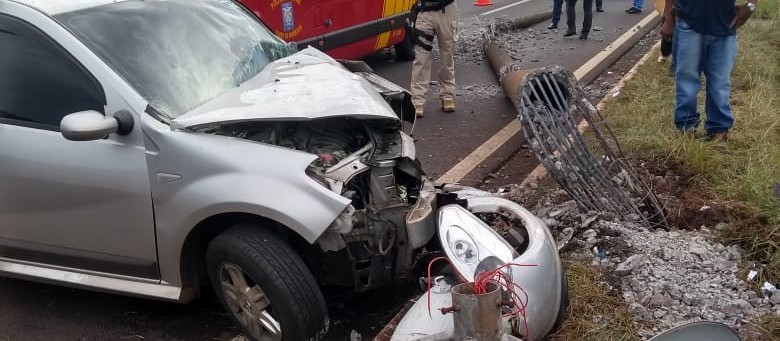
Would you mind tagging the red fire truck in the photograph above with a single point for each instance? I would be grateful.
(346, 29)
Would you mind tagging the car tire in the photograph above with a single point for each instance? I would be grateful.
(405, 49)
(265, 286)
(564, 306)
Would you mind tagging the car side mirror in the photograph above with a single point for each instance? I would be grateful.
(92, 125)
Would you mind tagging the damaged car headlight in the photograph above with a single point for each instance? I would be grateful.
(471, 245)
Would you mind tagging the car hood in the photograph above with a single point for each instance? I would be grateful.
(306, 85)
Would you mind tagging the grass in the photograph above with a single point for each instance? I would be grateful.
(594, 314)
(743, 175)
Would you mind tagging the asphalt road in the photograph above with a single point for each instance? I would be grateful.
(444, 139)
(31, 311)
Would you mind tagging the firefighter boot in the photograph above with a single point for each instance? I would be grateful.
(448, 105)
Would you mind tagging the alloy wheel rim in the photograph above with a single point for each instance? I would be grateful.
(248, 303)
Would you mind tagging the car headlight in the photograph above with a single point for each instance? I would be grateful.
(471, 245)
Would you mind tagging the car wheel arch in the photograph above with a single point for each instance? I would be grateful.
(193, 251)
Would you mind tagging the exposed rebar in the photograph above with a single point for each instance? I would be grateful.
(590, 166)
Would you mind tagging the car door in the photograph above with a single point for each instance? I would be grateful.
(79, 205)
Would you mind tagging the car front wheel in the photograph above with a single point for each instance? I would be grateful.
(265, 286)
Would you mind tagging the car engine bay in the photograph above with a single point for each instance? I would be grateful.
(371, 163)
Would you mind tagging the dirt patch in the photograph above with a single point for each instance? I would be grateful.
(688, 204)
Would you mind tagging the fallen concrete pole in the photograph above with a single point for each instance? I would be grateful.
(590, 167)
(530, 20)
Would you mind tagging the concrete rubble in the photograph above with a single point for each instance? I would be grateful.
(666, 278)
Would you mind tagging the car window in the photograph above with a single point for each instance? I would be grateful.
(40, 82)
(178, 54)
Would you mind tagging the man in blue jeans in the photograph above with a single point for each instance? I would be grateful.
(636, 7)
(704, 42)
(556, 14)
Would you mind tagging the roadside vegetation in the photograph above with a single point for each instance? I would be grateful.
(739, 178)
(594, 313)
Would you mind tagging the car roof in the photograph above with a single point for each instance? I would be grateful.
(54, 7)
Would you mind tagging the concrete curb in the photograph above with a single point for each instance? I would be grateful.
(587, 73)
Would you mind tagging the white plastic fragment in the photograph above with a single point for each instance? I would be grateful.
(751, 275)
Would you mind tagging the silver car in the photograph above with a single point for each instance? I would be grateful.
(156, 148)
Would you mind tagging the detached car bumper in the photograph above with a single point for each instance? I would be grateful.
(543, 282)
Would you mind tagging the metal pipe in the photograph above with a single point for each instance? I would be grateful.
(476, 316)
(530, 20)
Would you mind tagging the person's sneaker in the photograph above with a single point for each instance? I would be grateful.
(633, 10)
(720, 141)
(419, 112)
(599, 9)
(570, 33)
(553, 26)
(716, 137)
(584, 36)
(448, 105)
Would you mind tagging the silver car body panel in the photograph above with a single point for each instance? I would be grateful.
(77, 278)
(48, 200)
(190, 176)
(306, 85)
(542, 282)
(222, 174)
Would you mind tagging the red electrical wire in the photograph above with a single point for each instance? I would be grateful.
(428, 280)
(482, 283)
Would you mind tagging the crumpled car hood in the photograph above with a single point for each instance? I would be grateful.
(307, 85)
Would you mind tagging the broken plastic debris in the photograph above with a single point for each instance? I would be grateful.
(565, 237)
(617, 93)
(751, 275)
(768, 287)
(704, 208)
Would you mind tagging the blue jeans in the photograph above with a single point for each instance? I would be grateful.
(557, 9)
(599, 4)
(638, 3)
(695, 53)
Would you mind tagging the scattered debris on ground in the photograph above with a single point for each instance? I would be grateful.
(665, 278)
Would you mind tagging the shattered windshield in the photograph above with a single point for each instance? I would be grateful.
(178, 54)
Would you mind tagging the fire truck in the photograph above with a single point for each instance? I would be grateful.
(344, 29)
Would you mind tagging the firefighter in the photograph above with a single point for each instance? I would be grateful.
(435, 18)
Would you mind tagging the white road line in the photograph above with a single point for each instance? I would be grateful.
(504, 7)
(479, 155)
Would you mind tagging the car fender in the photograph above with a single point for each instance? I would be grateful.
(197, 175)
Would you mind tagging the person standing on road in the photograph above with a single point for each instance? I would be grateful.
(556, 14)
(571, 18)
(704, 42)
(636, 7)
(436, 18)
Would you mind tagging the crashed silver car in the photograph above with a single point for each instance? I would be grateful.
(158, 148)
